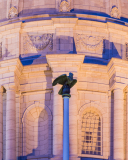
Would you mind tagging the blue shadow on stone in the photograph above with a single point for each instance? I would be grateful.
(28, 60)
(95, 60)
(22, 158)
(90, 12)
(110, 50)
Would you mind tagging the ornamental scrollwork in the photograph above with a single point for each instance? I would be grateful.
(12, 12)
(37, 43)
(88, 42)
(115, 12)
(64, 7)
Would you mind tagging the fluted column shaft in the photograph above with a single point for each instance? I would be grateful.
(1, 123)
(118, 124)
(11, 125)
(57, 123)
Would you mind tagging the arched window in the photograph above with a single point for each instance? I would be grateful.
(37, 131)
(91, 133)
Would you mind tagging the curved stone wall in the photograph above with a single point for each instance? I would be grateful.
(91, 7)
(36, 39)
(39, 41)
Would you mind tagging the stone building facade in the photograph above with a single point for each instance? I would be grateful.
(42, 39)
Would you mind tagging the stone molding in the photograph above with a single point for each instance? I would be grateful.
(1, 89)
(10, 87)
(11, 71)
(63, 59)
(117, 85)
(126, 89)
(115, 63)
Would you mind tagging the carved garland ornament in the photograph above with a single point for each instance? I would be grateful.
(12, 12)
(115, 12)
(90, 43)
(64, 7)
(36, 43)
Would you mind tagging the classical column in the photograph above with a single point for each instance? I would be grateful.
(73, 124)
(1, 123)
(10, 124)
(118, 124)
(66, 127)
(63, 64)
(57, 124)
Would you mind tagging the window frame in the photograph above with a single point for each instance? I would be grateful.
(104, 129)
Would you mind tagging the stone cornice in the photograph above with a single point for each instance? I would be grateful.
(65, 60)
(71, 20)
(126, 89)
(117, 85)
(1, 89)
(36, 68)
(10, 71)
(117, 65)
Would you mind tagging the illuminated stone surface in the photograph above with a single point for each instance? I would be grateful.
(41, 40)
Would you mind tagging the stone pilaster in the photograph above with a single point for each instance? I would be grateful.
(1, 123)
(118, 149)
(126, 151)
(10, 124)
(73, 124)
(63, 64)
(57, 124)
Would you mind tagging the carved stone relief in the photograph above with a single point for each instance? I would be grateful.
(64, 7)
(37, 43)
(115, 12)
(88, 42)
(126, 50)
(12, 12)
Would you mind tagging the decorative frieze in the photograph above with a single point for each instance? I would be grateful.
(12, 12)
(64, 7)
(88, 42)
(115, 12)
(37, 43)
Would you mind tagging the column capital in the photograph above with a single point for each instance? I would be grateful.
(10, 87)
(109, 93)
(65, 62)
(126, 89)
(1, 89)
(118, 86)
